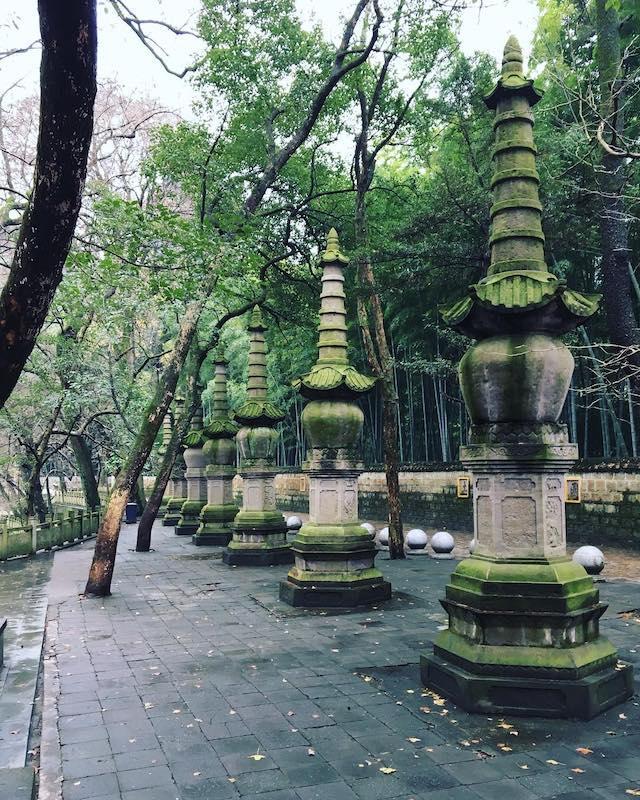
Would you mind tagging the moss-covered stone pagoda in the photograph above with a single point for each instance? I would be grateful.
(523, 632)
(259, 531)
(196, 461)
(334, 554)
(167, 429)
(216, 517)
(178, 480)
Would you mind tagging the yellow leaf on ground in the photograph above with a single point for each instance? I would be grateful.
(256, 757)
(413, 739)
(584, 751)
(553, 762)
(634, 792)
(387, 770)
(577, 769)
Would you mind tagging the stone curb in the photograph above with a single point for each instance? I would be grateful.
(50, 787)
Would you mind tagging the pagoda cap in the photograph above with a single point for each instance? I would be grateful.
(332, 252)
(256, 323)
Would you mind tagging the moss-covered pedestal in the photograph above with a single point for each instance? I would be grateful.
(217, 516)
(334, 555)
(523, 634)
(196, 460)
(259, 531)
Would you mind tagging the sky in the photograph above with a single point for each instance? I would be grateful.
(121, 55)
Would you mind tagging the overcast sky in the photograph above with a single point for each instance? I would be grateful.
(122, 56)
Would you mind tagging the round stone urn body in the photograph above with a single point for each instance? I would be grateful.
(333, 423)
(220, 451)
(195, 458)
(257, 443)
(516, 378)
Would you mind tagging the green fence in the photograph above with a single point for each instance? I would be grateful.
(66, 526)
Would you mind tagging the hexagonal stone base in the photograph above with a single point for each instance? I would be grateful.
(221, 539)
(260, 557)
(187, 528)
(171, 520)
(348, 596)
(524, 695)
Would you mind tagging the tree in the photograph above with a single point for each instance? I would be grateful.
(67, 92)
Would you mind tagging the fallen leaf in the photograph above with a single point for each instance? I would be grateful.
(622, 716)
(413, 739)
(584, 751)
(634, 792)
(553, 762)
(311, 751)
(387, 770)
(256, 757)
(425, 709)
(523, 766)
(505, 725)
(576, 769)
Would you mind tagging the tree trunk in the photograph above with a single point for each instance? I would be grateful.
(36, 505)
(612, 177)
(101, 572)
(82, 455)
(67, 93)
(180, 429)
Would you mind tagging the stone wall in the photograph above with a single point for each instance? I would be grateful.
(609, 511)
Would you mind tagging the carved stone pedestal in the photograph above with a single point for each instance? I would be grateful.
(523, 633)
(216, 518)
(196, 492)
(334, 554)
(259, 531)
(175, 502)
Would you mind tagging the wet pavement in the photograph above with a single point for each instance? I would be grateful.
(23, 600)
(193, 681)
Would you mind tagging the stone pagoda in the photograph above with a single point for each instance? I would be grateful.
(178, 480)
(196, 461)
(259, 531)
(167, 428)
(216, 518)
(523, 617)
(334, 554)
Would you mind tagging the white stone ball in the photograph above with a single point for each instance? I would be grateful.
(369, 529)
(590, 558)
(294, 523)
(383, 536)
(416, 539)
(442, 542)
(472, 545)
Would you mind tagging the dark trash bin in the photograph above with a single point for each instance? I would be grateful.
(131, 513)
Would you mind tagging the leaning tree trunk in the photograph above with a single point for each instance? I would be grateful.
(82, 455)
(101, 572)
(143, 542)
(67, 93)
(612, 178)
(36, 504)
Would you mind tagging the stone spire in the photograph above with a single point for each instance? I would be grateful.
(332, 372)
(220, 424)
(167, 429)
(195, 436)
(519, 292)
(258, 409)
(332, 343)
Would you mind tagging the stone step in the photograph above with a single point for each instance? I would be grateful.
(18, 783)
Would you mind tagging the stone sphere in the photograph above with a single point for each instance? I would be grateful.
(294, 523)
(416, 539)
(442, 542)
(472, 546)
(383, 537)
(369, 529)
(590, 558)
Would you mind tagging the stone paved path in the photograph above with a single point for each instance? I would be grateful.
(193, 682)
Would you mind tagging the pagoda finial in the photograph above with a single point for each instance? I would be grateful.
(518, 279)
(332, 372)
(512, 61)
(220, 424)
(258, 410)
(256, 321)
(332, 252)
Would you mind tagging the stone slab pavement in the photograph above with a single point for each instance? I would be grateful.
(193, 682)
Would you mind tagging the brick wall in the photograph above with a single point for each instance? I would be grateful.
(609, 511)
